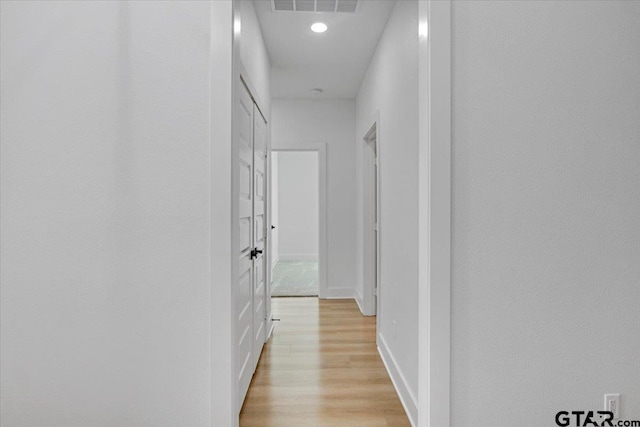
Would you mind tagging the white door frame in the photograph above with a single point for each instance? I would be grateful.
(434, 226)
(434, 219)
(222, 234)
(321, 149)
(370, 301)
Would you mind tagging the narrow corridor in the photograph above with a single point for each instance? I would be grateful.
(321, 368)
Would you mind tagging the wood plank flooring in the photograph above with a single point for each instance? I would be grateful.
(321, 368)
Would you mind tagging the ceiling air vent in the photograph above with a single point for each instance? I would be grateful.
(343, 6)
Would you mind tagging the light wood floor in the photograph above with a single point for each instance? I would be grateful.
(321, 368)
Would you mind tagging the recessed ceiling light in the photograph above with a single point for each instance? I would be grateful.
(318, 27)
(316, 91)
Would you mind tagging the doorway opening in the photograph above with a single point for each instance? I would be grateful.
(371, 221)
(295, 243)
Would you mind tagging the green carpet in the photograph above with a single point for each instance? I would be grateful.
(295, 278)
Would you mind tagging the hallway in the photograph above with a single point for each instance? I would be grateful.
(321, 367)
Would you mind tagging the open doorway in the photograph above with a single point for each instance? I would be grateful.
(371, 221)
(295, 243)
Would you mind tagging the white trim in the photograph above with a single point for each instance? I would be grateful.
(434, 227)
(246, 78)
(298, 257)
(274, 261)
(321, 149)
(408, 400)
(358, 297)
(271, 260)
(339, 293)
(272, 326)
(371, 301)
(268, 246)
(222, 73)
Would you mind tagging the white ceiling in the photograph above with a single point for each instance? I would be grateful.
(334, 61)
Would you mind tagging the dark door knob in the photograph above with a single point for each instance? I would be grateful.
(273, 227)
(255, 252)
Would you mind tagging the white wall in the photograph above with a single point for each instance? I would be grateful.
(546, 209)
(254, 55)
(298, 205)
(223, 51)
(390, 86)
(300, 121)
(106, 291)
(275, 208)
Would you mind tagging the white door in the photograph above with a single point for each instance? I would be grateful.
(244, 293)
(259, 231)
(370, 214)
(376, 238)
(250, 296)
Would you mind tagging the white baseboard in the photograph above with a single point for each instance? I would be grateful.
(408, 400)
(298, 257)
(274, 262)
(359, 300)
(338, 293)
(270, 327)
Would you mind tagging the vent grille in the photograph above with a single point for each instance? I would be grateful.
(341, 6)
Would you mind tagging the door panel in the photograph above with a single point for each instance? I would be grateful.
(244, 294)
(260, 231)
(370, 232)
(250, 301)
